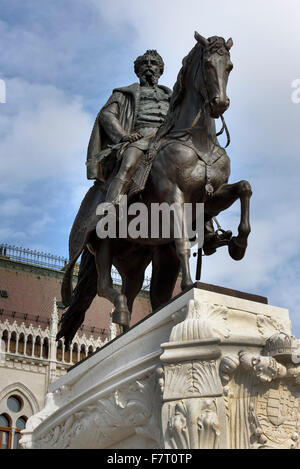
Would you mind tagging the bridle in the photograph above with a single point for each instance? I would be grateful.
(205, 98)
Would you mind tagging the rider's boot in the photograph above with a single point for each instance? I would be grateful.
(116, 190)
(115, 196)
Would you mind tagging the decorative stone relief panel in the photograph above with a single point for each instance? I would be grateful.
(191, 379)
(130, 409)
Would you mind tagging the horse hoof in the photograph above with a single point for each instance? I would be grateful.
(236, 249)
(121, 317)
(215, 241)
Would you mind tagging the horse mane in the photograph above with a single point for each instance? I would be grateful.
(215, 44)
(178, 92)
(178, 89)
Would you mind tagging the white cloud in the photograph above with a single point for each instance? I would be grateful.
(43, 141)
(45, 138)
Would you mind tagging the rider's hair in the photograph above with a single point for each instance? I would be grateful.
(152, 53)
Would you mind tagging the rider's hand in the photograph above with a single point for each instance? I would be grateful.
(132, 137)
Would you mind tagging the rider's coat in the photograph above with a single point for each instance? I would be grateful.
(130, 109)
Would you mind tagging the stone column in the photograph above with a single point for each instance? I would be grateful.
(193, 411)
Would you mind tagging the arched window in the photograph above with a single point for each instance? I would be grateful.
(75, 353)
(5, 339)
(59, 349)
(82, 352)
(13, 342)
(45, 348)
(12, 422)
(90, 350)
(29, 345)
(37, 346)
(5, 431)
(20, 425)
(21, 344)
(67, 354)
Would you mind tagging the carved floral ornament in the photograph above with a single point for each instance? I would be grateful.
(203, 321)
(193, 424)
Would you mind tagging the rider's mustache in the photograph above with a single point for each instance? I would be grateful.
(149, 71)
(150, 74)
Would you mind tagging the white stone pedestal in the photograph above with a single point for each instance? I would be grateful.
(209, 370)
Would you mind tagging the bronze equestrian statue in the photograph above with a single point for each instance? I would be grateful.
(181, 163)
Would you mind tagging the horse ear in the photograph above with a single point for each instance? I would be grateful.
(201, 39)
(229, 43)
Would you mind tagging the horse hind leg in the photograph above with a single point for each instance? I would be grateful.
(133, 277)
(165, 270)
(103, 259)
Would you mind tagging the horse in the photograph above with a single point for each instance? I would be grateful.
(190, 167)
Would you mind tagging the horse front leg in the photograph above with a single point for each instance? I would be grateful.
(223, 198)
(238, 244)
(103, 260)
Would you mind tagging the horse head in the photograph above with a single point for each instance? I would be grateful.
(215, 67)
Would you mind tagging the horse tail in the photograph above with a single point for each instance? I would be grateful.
(67, 284)
(81, 299)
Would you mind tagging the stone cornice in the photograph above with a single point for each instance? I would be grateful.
(33, 269)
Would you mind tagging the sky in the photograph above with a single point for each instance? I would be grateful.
(60, 60)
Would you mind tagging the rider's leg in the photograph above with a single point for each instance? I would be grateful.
(119, 184)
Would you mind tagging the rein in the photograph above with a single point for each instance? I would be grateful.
(195, 122)
(224, 127)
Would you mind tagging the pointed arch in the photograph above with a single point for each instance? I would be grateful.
(25, 393)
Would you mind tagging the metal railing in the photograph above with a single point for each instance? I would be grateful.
(50, 261)
(29, 256)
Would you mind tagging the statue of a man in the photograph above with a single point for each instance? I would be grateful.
(131, 116)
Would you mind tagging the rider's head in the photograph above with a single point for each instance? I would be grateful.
(149, 67)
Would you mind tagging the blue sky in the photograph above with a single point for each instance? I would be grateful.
(60, 60)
